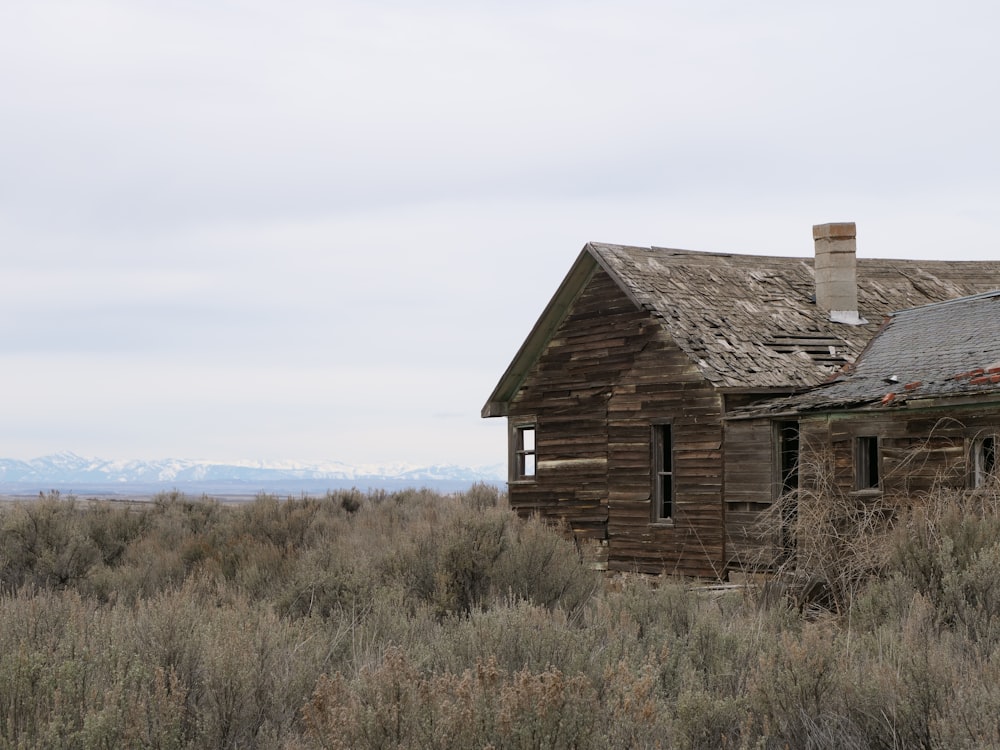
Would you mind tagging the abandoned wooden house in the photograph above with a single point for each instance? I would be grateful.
(918, 411)
(617, 400)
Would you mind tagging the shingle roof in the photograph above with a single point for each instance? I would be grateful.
(748, 321)
(751, 321)
(943, 350)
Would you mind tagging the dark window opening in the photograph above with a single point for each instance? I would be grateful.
(788, 442)
(663, 473)
(788, 449)
(984, 460)
(866, 463)
(524, 452)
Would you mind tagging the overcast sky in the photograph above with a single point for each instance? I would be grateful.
(321, 230)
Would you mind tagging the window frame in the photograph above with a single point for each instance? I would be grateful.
(520, 454)
(787, 463)
(867, 463)
(983, 451)
(664, 486)
(784, 446)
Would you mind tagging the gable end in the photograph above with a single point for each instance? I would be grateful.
(580, 274)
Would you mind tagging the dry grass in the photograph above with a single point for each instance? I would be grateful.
(418, 621)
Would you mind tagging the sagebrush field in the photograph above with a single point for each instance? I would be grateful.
(414, 620)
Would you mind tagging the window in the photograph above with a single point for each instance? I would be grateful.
(788, 450)
(788, 485)
(663, 473)
(984, 460)
(524, 461)
(866, 463)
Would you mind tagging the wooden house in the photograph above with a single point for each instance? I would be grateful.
(617, 400)
(918, 411)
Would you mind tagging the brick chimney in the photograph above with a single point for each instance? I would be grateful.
(836, 271)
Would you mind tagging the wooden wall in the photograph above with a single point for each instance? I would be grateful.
(610, 372)
(664, 384)
(566, 394)
(606, 376)
(921, 449)
(750, 478)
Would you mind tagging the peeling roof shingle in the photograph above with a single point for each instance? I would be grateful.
(751, 321)
(941, 350)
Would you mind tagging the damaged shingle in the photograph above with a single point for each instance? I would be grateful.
(748, 321)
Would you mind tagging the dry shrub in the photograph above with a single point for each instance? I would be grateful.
(897, 683)
(394, 705)
(449, 623)
(147, 567)
(46, 543)
(469, 559)
(482, 495)
(72, 679)
(325, 581)
(519, 635)
(519, 675)
(113, 528)
(830, 544)
(467, 552)
(948, 549)
(194, 515)
(633, 714)
(916, 582)
(797, 693)
(349, 500)
(707, 721)
(283, 524)
(543, 567)
(245, 671)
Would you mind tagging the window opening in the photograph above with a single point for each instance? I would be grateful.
(866, 462)
(663, 473)
(788, 449)
(788, 442)
(524, 452)
(984, 460)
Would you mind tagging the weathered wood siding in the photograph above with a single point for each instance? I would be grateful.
(608, 373)
(921, 450)
(664, 384)
(751, 473)
(566, 394)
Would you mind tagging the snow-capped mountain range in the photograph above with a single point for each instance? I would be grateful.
(69, 472)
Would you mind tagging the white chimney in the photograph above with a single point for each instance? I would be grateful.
(836, 271)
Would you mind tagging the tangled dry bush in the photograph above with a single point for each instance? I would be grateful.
(837, 543)
(415, 620)
(833, 543)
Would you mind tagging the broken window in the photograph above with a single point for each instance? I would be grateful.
(663, 473)
(866, 463)
(788, 454)
(788, 449)
(984, 460)
(524, 459)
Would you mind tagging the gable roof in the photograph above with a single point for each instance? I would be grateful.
(749, 322)
(934, 351)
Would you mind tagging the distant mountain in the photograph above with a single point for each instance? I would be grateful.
(70, 473)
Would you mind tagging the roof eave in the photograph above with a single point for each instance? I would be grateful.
(874, 404)
(964, 398)
(763, 389)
